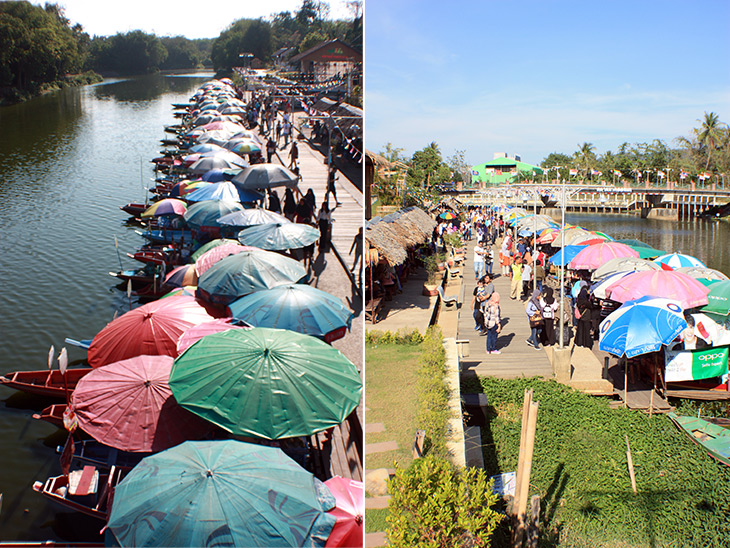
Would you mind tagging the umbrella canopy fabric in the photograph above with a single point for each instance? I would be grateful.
(251, 217)
(222, 493)
(129, 405)
(684, 289)
(183, 275)
(207, 213)
(279, 236)
(245, 147)
(210, 245)
(152, 329)
(224, 190)
(571, 234)
(566, 255)
(718, 299)
(263, 176)
(206, 164)
(641, 326)
(594, 256)
(598, 289)
(447, 215)
(212, 256)
(678, 260)
(197, 332)
(349, 511)
(296, 307)
(647, 252)
(266, 383)
(623, 264)
(205, 147)
(703, 273)
(246, 272)
(188, 290)
(167, 206)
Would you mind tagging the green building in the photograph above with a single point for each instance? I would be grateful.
(503, 170)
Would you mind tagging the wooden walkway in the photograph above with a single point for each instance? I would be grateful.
(517, 358)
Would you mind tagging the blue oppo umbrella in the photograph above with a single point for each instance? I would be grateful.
(570, 252)
(641, 326)
(296, 307)
(220, 493)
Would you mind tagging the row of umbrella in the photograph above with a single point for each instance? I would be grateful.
(174, 370)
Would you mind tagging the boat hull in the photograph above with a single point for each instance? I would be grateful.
(713, 438)
(44, 383)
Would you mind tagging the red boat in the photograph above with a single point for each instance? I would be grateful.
(53, 414)
(135, 209)
(89, 490)
(44, 382)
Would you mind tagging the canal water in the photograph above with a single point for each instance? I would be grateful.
(68, 160)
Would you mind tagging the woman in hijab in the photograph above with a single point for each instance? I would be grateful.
(274, 203)
(493, 322)
(290, 205)
(583, 307)
(534, 315)
(549, 306)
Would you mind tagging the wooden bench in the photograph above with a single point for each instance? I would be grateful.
(372, 308)
(340, 452)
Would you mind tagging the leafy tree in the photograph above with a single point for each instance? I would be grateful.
(584, 159)
(710, 134)
(134, 52)
(312, 39)
(243, 36)
(457, 162)
(181, 53)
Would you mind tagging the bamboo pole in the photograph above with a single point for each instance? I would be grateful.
(631, 464)
(523, 485)
(523, 436)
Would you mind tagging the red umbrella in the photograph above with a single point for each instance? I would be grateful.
(128, 405)
(349, 511)
(152, 329)
(197, 332)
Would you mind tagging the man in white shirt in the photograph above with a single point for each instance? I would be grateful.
(479, 252)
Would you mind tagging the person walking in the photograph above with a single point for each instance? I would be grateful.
(324, 223)
(331, 177)
(493, 322)
(516, 285)
(539, 274)
(583, 313)
(293, 155)
(277, 131)
(290, 205)
(479, 260)
(526, 278)
(286, 131)
(534, 316)
(488, 257)
(274, 203)
(357, 243)
(270, 149)
(549, 306)
(476, 305)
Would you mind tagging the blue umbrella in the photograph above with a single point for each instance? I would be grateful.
(678, 260)
(570, 251)
(214, 191)
(208, 212)
(247, 272)
(220, 493)
(279, 236)
(296, 307)
(641, 326)
(205, 147)
(216, 175)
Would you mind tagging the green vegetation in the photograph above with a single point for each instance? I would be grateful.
(434, 504)
(580, 470)
(375, 520)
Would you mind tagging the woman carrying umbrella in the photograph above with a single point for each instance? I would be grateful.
(583, 314)
(324, 222)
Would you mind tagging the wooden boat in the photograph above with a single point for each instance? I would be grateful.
(97, 454)
(135, 209)
(713, 438)
(139, 278)
(89, 490)
(53, 414)
(166, 236)
(44, 382)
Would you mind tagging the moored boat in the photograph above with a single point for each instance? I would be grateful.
(53, 414)
(97, 454)
(44, 382)
(713, 438)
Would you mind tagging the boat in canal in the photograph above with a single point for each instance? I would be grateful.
(44, 382)
(713, 438)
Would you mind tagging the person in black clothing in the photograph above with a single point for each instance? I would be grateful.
(290, 205)
(270, 149)
(311, 200)
(583, 336)
(331, 184)
(274, 203)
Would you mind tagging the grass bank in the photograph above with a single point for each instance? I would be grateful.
(580, 471)
(11, 95)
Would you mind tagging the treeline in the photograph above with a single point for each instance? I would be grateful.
(301, 30)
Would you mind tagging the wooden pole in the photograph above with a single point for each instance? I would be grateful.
(523, 437)
(631, 464)
(533, 529)
(523, 485)
(651, 400)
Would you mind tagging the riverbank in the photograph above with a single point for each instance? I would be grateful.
(11, 95)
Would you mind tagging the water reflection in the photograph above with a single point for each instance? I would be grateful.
(143, 88)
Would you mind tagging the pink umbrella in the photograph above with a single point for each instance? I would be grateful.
(152, 329)
(212, 256)
(659, 283)
(599, 254)
(129, 405)
(349, 511)
(197, 332)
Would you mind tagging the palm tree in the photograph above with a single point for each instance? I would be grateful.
(710, 134)
(585, 157)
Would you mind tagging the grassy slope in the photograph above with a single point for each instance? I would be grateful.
(580, 471)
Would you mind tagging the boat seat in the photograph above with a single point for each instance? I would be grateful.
(83, 482)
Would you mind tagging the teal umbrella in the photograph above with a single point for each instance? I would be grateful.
(207, 213)
(297, 307)
(247, 272)
(220, 493)
(718, 299)
(266, 383)
(279, 236)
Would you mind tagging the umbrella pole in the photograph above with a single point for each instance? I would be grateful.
(626, 382)
(651, 400)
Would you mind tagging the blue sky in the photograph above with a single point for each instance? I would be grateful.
(535, 77)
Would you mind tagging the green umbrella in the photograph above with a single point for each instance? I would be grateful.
(718, 299)
(646, 252)
(220, 493)
(266, 383)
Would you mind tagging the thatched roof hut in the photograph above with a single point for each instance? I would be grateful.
(392, 236)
